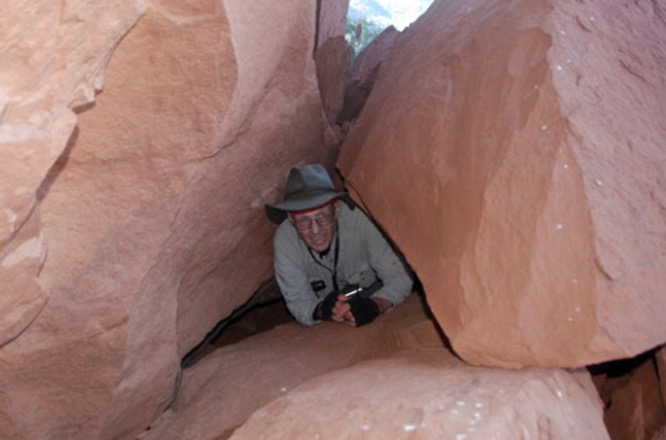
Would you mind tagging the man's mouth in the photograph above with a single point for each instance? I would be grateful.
(319, 239)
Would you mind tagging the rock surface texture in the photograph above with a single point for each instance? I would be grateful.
(390, 380)
(132, 221)
(636, 410)
(429, 395)
(219, 394)
(660, 360)
(524, 164)
(332, 60)
(332, 19)
(363, 72)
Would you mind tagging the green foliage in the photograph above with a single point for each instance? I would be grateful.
(359, 33)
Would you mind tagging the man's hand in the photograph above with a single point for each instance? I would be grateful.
(342, 310)
(354, 311)
(334, 307)
(324, 309)
(364, 310)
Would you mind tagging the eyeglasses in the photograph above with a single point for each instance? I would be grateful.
(305, 223)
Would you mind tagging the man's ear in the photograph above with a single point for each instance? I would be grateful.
(337, 208)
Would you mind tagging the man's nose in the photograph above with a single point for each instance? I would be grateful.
(315, 227)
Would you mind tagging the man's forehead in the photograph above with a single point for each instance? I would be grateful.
(314, 211)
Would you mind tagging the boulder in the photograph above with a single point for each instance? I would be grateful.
(53, 63)
(125, 241)
(332, 20)
(372, 56)
(224, 388)
(428, 394)
(660, 359)
(636, 410)
(332, 60)
(514, 152)
(363, 72)
(660, 435)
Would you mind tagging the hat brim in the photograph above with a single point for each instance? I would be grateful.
(277, 213)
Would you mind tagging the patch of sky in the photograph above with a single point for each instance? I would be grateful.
(399, 13)
(368, 18)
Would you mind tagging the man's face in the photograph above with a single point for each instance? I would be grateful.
(317, 227)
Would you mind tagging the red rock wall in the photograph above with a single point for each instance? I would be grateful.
(122, 247)
(332, 19)
(635, 409)
(332, 60)
(514, 151)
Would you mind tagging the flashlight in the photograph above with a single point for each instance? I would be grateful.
(353, 292)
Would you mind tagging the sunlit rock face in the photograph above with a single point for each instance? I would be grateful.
(425, 394)
(44, 77)
(514, 151)
(332, 19)
(363, 72)
(126, 239)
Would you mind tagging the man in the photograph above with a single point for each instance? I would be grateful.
(331, 261)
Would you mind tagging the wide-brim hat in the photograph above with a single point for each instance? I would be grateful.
(308, 186)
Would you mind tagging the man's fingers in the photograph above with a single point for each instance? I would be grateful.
(342, 298)
(341, 310)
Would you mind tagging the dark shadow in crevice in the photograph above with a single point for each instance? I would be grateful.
(621, 367)
(264, 310)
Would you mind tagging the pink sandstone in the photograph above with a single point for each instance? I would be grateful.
(660, 359)
(636, 410)
(332, 60)
(45, 77)
(332, 20)
(223, 389)
(363, 73)
(372, 56)
(126, 239)
(514, 152)
(426, 394)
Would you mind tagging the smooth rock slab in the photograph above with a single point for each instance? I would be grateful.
(224, 388)
(124, 241)
(424, 395)
(514, 151)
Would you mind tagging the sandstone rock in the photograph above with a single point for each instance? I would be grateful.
(332, 19)
(372, 56)
(514, 151)
(363, 73)
(123, 247)
(332, 60)
(660, 435)
(223, 389)
(426, 394)
(53, 62)
(636, 410)
(660, 359)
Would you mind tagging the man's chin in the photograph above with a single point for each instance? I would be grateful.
(319, 247)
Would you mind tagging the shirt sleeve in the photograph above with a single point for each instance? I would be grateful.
(291, 277)
(397, 283)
